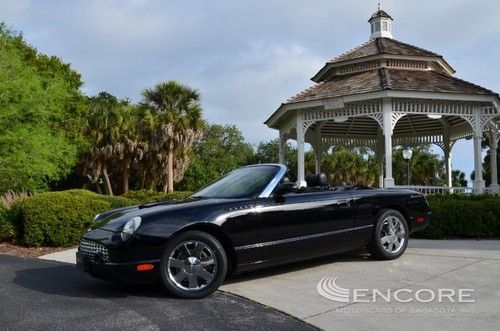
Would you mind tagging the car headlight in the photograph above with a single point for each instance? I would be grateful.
(130, 227)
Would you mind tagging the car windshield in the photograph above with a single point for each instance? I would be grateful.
(246, 182)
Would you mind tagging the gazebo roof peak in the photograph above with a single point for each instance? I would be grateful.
(381, 24)
(378, 49)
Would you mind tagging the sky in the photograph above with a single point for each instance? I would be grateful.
(247, 57)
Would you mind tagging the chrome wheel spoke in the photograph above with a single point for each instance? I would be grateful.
(384, 240)
(176, 263)
(193, 281)
(187, 249)
(205, 275)
(180, 276)
(208, 262)
(198, 248)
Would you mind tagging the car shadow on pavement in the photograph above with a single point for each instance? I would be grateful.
(66, 280)
(360, 255)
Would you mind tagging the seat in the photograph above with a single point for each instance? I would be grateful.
(316, 180)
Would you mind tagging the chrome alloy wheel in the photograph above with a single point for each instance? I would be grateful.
(192, 265)
(392, 234)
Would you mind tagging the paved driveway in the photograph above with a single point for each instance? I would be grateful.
(42, 295)
(427, 264)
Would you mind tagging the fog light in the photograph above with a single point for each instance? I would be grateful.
(145, 267)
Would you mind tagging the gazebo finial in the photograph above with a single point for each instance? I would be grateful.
(381, 24)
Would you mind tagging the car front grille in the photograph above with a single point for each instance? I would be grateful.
(94, 251)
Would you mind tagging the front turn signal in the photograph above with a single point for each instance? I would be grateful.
(145, 267)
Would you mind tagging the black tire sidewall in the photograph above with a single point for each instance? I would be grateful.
(219, 252)
(380, 251)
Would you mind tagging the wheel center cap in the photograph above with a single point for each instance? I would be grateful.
(193, 260)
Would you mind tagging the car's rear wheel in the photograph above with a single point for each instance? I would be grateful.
(193, 265)
(390, 236)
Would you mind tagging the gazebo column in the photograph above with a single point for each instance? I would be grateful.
(318, 147)
(447, 145)
(380, 158)
(493, 159)
(478, 184)
(300, 152)
(387, 120)
(447, 160)
(281, 148)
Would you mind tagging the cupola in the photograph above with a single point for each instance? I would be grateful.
(381, 24)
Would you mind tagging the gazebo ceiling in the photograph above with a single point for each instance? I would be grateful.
(411, 125)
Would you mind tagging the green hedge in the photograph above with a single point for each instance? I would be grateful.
(7, 230)
(154, 196)
(60, 218)
(455, 216)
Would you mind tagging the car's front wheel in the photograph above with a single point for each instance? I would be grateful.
(193, 265)
(390, 237)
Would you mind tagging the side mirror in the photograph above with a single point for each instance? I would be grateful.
(284, 188)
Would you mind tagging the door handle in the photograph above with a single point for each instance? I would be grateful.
(344, 203)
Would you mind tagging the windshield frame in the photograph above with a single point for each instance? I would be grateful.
(266, 192)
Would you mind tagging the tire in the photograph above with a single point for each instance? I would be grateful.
(193, 265)
(390, 236)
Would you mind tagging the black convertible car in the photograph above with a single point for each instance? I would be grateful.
(251, 218)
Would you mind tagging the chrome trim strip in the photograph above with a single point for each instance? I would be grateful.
(310, 236)
(272, 184)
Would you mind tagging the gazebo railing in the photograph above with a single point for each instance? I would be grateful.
(426, 190)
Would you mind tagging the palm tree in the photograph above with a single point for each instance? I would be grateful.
(104, 122)
(178, 123)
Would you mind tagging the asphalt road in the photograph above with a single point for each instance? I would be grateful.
(36, 294)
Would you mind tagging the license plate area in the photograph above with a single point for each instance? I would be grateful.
(81, 263)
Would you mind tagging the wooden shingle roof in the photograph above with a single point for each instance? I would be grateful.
(388, 79)
(383, 46)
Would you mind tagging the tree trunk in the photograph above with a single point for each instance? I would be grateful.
(107, 183)
(98, 187)
(143, 180)
(169, 185)
(125, 176)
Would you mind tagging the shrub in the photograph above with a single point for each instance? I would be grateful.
(10, 197)
(60, 218)
(7, 230)
(154, 196)
(455, 216)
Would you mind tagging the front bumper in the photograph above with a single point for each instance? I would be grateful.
(120, 272)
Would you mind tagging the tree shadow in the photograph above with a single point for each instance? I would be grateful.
(360, 255)
(66, 280)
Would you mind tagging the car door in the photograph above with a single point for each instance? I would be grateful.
(303, 225)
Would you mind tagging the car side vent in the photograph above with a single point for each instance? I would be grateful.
(239, 208)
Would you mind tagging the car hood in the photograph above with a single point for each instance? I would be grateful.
(184, 210)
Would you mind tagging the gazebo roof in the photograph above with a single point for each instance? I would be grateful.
(388, 79)
(383, 46)
(380, 13)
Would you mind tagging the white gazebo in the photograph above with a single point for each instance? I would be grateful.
(385, 93)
